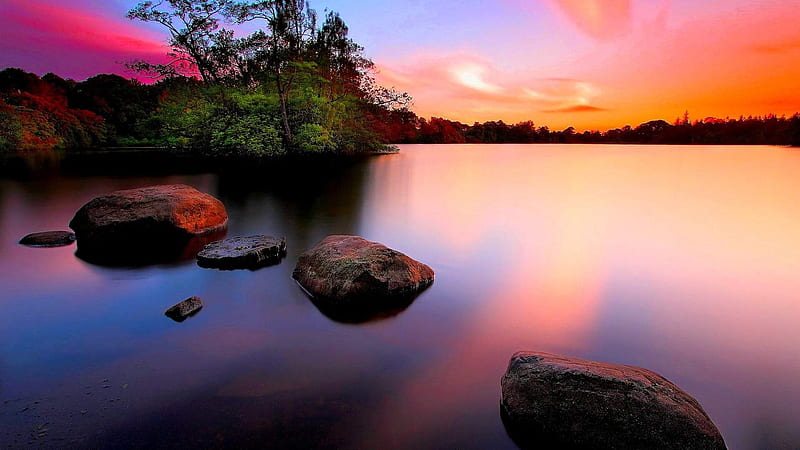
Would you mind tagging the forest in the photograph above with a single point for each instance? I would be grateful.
(296, 85)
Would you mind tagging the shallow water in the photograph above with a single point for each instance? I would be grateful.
(683, 260)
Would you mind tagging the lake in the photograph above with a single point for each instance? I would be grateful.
(683, 260)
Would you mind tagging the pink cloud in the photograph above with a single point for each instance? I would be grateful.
(601, 19)
(465, 87)
(564, 94)
(72, 42)
(472, 75)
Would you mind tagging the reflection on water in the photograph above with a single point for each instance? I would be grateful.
(137, 254)
(361, 313)
(683, 260)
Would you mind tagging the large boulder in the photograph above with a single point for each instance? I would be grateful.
(248, 252)
(48, 239)
(156, 222)
(352, 279)
(551, 401)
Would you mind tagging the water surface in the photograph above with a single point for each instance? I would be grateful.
(683, 260)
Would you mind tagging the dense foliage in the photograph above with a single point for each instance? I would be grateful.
(35, 113)
(292, 86)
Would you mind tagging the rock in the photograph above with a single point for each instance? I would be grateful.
(250, 252)
(48, 239)
(184, 309)
(350, 274)
(551, 401)
(151, 223)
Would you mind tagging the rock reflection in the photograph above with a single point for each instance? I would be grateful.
(357, 314)
(313, 198)
(142, 254)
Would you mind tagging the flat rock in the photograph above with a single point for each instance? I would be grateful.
(248, 252)
(350, 273)
(184, 309)
(48, 239)
(146, 222)
(551, 401)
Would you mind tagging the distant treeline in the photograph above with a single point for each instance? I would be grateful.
(406, 127)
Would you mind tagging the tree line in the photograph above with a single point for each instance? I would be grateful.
(406, 127)
(109, 110)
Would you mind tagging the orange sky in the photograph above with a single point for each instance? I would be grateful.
(598, 64)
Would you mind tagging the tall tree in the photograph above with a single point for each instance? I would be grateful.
(278, 52)
(197, 42)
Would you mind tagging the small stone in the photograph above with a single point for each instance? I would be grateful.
(48, 239)
(184, 309)
(248, 252)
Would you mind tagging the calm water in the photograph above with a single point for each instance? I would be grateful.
(684, 260)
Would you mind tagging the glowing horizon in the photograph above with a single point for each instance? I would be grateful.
(591, 64)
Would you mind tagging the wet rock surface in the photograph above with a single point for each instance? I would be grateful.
(247, 252)
(552, 401)
(48, 239)
(147, 224)
(351, 276)
(184, 309)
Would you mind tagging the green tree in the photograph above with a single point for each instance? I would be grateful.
(323, 86)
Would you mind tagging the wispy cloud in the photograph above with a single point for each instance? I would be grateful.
(564, 95)
(463, 85)
(471, 75)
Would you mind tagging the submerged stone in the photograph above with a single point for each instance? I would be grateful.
(184, 309)
(248, 252)
(353, 277)
(551, 401)
(48, 239)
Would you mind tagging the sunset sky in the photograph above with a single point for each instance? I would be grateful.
(592, 64)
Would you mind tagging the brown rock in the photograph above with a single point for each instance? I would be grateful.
(350, 273)
(48, 239)
(551, 401)
(146, 221)
(184, 309)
